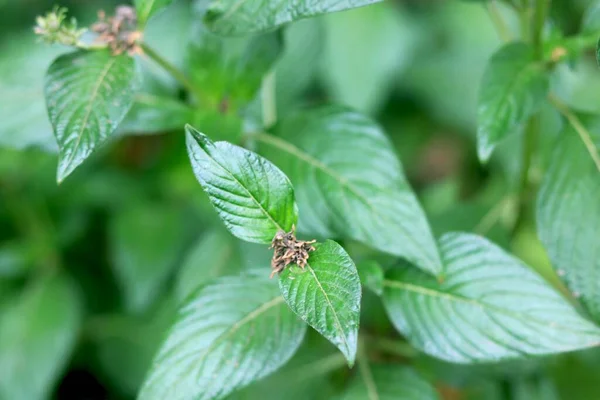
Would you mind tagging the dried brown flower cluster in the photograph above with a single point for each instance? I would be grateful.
(119, 32)
(289, 250)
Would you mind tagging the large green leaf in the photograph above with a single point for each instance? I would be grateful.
(389, 382)
(513, 88)
(230, 70)
(252, 196)
(37, 334)
(326, 294)
(568, 218)
(146, 8)
(238, 17)
(350, 184)
(489, 307)
(87, 93)
(229, 334)
(146, 241)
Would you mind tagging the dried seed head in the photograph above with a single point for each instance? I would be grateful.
(119, 32)
(289, 250)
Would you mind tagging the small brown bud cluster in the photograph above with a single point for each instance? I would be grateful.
(289, 250)
(119, 32)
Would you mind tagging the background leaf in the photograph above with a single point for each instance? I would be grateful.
(568, 218)
(156, 114)
(146, 8)
(231, 333)
(87, 93)
(232, 17)
(37, 334)
(513, 88)
(349, 184)
(389, 382)
(371, 276)
(252, 196)
(489, 307)
(326, 295)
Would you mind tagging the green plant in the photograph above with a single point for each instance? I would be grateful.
(400, 284)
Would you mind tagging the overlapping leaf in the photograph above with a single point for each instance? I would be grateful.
(326, 295)
(235, 17)
(252, 196)
(146, 8)
(350, 184)
(231, 333)
(38, 331)
(513, 88)
(156, 114)
(87, 94)
(489, 307)
(568, 218)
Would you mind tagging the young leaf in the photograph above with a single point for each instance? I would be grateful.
(231, 333)
(371, 276)
(326, 295)
(350, 184)
(489, 307)
(234, 17)
(253, 197)
(389, 382)
(146, 8)
(87, 94)
(568, 218)
(146, 242)
(513, 88)
(37, 334)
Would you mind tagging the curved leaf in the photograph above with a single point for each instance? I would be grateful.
(568, 219)
(490, 307)
(513, 88)
(350, 184)
(252, 196)
(389, 382)
(238, 17)
(326, 295)
(87, 94)
(231, 333)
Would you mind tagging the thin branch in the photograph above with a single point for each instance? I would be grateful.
(498, 21)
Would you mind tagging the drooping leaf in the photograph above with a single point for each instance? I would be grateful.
(214, 255)
(326, 294)
(146, 241)
(229, 334)
(230, 70)
(371, 276)
(568, 218)
(513, 88)
(146, 8)
(389, 382)
(252, 196)
(234, 17)
(155, 114)
(350, 184)
(87, 94)
(38, 331)
(489, 307)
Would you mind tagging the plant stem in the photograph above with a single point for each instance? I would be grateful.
(498, 21)
(578, 126)
(537, 31)
(365, 372)
(390, 346)
(269, 104)
(172, 70)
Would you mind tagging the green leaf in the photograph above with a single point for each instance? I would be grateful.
(591, 18)
(350, 184)
(513, 88)
(230, 71)
(214, 255)
(87, 93)
(326, 295)
(231, 333)
(489, 307)
(568, 218)
(155, 114)
(37, 334)
(371, 276)
(252, 196)
(389, 382)
(146, 8)
(146, 241)
(238, 17)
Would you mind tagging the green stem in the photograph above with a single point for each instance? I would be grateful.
(537, 31)
(269, 104)
(498, 21)
(365, 372)
(172, 70)
(390, 346)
